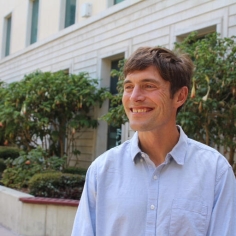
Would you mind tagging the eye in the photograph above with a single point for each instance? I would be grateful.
(128, 87)
(149, 86)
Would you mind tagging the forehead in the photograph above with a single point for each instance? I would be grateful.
(150, 74)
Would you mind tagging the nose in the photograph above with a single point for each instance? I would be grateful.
(137, 94)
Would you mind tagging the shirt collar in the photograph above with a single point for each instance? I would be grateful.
(178, 153)
(180, 149)
(135, 150)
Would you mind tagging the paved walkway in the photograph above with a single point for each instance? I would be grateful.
(6, 232)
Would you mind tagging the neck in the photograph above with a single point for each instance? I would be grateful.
(157, 144)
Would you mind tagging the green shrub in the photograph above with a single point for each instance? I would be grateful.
(2, 165)
(19, 171)
(9, 152)
(75, 170)
(57, 185)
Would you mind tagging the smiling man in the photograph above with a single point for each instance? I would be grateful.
(159, 183)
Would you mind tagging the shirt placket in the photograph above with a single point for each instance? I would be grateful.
(152, 206)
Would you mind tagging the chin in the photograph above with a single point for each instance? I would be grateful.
(139, 127)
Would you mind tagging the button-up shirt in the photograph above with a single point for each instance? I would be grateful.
(192, 193)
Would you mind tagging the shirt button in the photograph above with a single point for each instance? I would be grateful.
(141, 160)
(152, 207)
(154, 177)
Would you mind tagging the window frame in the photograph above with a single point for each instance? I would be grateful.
(68, 13)
(178, 34)
(117, 1)
(104, 70)
(112, 87)
(29, 22)
(63, 14)
(34, 21)
(111, 3)
(6, 47)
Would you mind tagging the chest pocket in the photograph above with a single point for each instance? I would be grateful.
(188, 218)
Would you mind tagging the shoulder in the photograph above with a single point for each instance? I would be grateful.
(204, 150)
(112, 157)
(208, 157)
(197, 146)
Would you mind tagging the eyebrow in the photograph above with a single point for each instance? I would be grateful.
(144, 80)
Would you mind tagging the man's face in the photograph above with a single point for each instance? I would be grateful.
(147, 101)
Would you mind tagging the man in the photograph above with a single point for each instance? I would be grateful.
(159, 183)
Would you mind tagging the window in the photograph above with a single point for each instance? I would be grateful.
(7, 35)
(111, 3)
(70, 12)
(117, 1)
(201, 33)
(114, 133)
(34, 22)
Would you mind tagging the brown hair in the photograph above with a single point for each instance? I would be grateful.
(172, 66)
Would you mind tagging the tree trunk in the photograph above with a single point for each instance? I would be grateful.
(231, 156)
(62, 133)
(207, 135)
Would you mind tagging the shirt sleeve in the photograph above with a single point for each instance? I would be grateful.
(84, 223)
(223, 217)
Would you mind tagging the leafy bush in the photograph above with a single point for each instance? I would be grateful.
(75, 170)
(46, 105)
(19, 171)
(210, 113)
(57, 185)
(2, 165)
(9, 152)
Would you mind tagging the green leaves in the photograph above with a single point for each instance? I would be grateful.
(20, 170)
(116, 115)
(57, 185)
(46, 106)
(209, 116)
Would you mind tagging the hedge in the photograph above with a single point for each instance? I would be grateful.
(6, 152)
(57, 185)
(75, 170)
(2, 165)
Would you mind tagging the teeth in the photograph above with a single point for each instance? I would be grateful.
(139, 110)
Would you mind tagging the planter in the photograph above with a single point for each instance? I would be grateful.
(32, 216)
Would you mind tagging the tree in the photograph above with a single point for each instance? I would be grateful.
(48, 109)
(209, 114)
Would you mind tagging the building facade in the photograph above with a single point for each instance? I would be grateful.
(92, 35)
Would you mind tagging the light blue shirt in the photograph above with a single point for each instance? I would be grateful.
(193, 193)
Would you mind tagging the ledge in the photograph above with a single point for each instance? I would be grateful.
(51, 201)
(28, 215)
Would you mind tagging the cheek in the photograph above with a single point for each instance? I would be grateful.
(125, 99)
(161, 100)
(157, 97)
(164, 97)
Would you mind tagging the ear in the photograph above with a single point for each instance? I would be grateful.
(181, 96)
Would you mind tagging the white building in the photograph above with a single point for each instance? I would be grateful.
(91, 35)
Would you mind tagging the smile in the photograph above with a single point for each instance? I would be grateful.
(140, 110)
